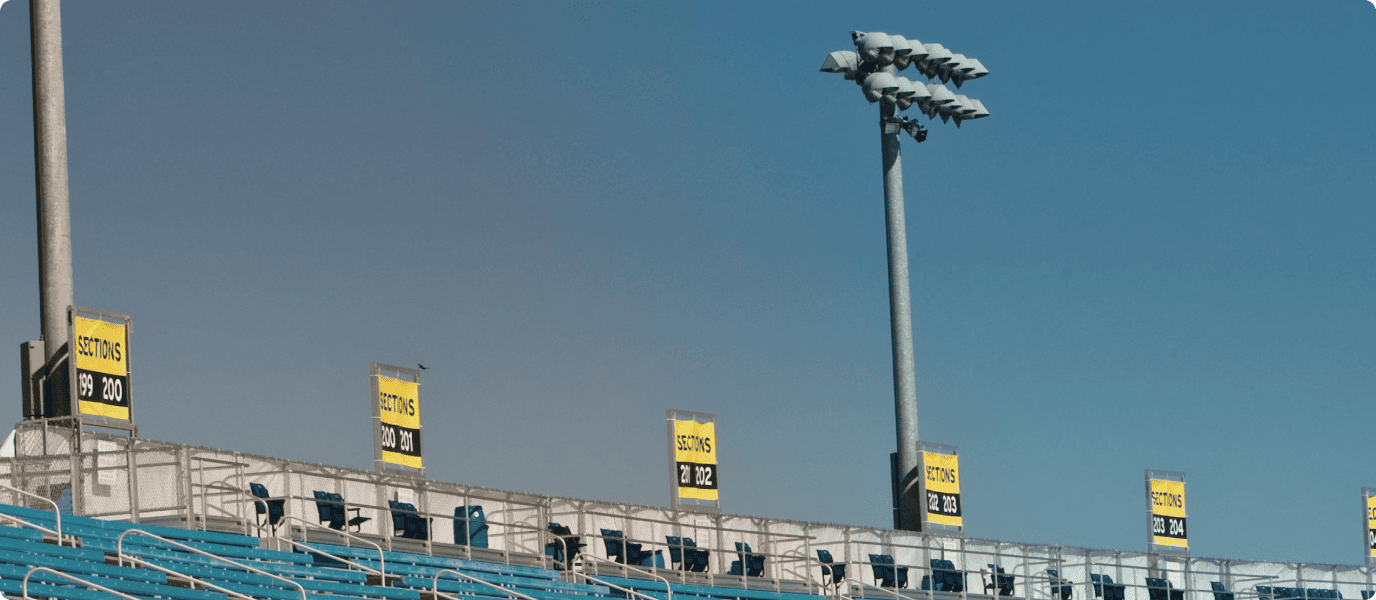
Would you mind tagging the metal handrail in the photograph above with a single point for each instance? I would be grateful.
(435, 584)
(21, 522)
(668, 589)
(613, 585)
(119, 549)
(57, 513)
(144, 563)
(381, 558)
(896, 594)
(95, 586)
(294, 543)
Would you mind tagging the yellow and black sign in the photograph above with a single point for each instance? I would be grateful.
(101, 349)
(942, 474)
(398, 404)
(695, 455)
(1371, 526)
(1168, 513)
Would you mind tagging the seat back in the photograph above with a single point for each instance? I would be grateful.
(675, 548)
(613, 540)
(470, 526)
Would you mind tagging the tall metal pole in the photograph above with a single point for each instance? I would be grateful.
(50, 165)
(910, 507)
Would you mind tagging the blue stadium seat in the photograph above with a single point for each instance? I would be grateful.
(832, 572)
(570, 543)
(699, 556)
(274, 510)
(1060, 588)
(470, 526)
(407, 521)
(333, 511)
(753, 564)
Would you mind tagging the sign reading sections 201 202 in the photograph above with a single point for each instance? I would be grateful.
(695, 456)
(102, 367)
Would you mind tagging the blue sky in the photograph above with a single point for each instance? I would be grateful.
(1156, 254)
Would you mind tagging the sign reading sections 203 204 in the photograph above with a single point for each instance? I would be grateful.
(100, 365)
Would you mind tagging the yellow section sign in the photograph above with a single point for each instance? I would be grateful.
(1371, 526)
(101, 350)
(1168, 513)
(695, 454)
(398, 403)
(942, 474)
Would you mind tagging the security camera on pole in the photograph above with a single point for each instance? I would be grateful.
(874, 66)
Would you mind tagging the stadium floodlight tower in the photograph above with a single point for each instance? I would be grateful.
(874, 66)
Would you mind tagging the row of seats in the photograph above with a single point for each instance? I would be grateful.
(470, 524)
(1293, 593)
(684, 553)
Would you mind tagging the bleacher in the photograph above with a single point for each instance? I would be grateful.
(107, 559)
(157, 520)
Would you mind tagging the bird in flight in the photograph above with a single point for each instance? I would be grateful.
(422, 367)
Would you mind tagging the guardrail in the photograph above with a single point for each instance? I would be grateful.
(57, 514)
(119, 550)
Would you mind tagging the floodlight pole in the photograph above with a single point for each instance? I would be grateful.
(50, 166)
(911, 515)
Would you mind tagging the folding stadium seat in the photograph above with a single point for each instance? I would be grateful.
(886, 574)
(273, 509)
(470, 526)
(751, 563)
(696, 557)
(832, 571)
(566, 548)
(1060, 588)
(407, 521)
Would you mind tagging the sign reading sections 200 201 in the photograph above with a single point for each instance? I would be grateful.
(396, 408)
(101, 373)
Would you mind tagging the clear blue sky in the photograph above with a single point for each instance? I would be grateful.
(1157, 253)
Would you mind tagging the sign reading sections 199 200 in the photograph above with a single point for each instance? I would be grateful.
(102, 367)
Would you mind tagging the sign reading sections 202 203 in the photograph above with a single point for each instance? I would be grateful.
(942, 478)
(398, 405)
(101, 350)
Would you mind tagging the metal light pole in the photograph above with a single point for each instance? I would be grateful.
(874, 67)
(50, 166)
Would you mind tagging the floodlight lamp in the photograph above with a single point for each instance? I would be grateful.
(879, 85)
(937, 54)
(917, 52)
(940, 95)
(877, 47)
(916, 130)
(841, 61)
(963, 106)
(959, 64)
(889, 126)
(906, 87)
(977, 69)
(901, 50)
(980, 111)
